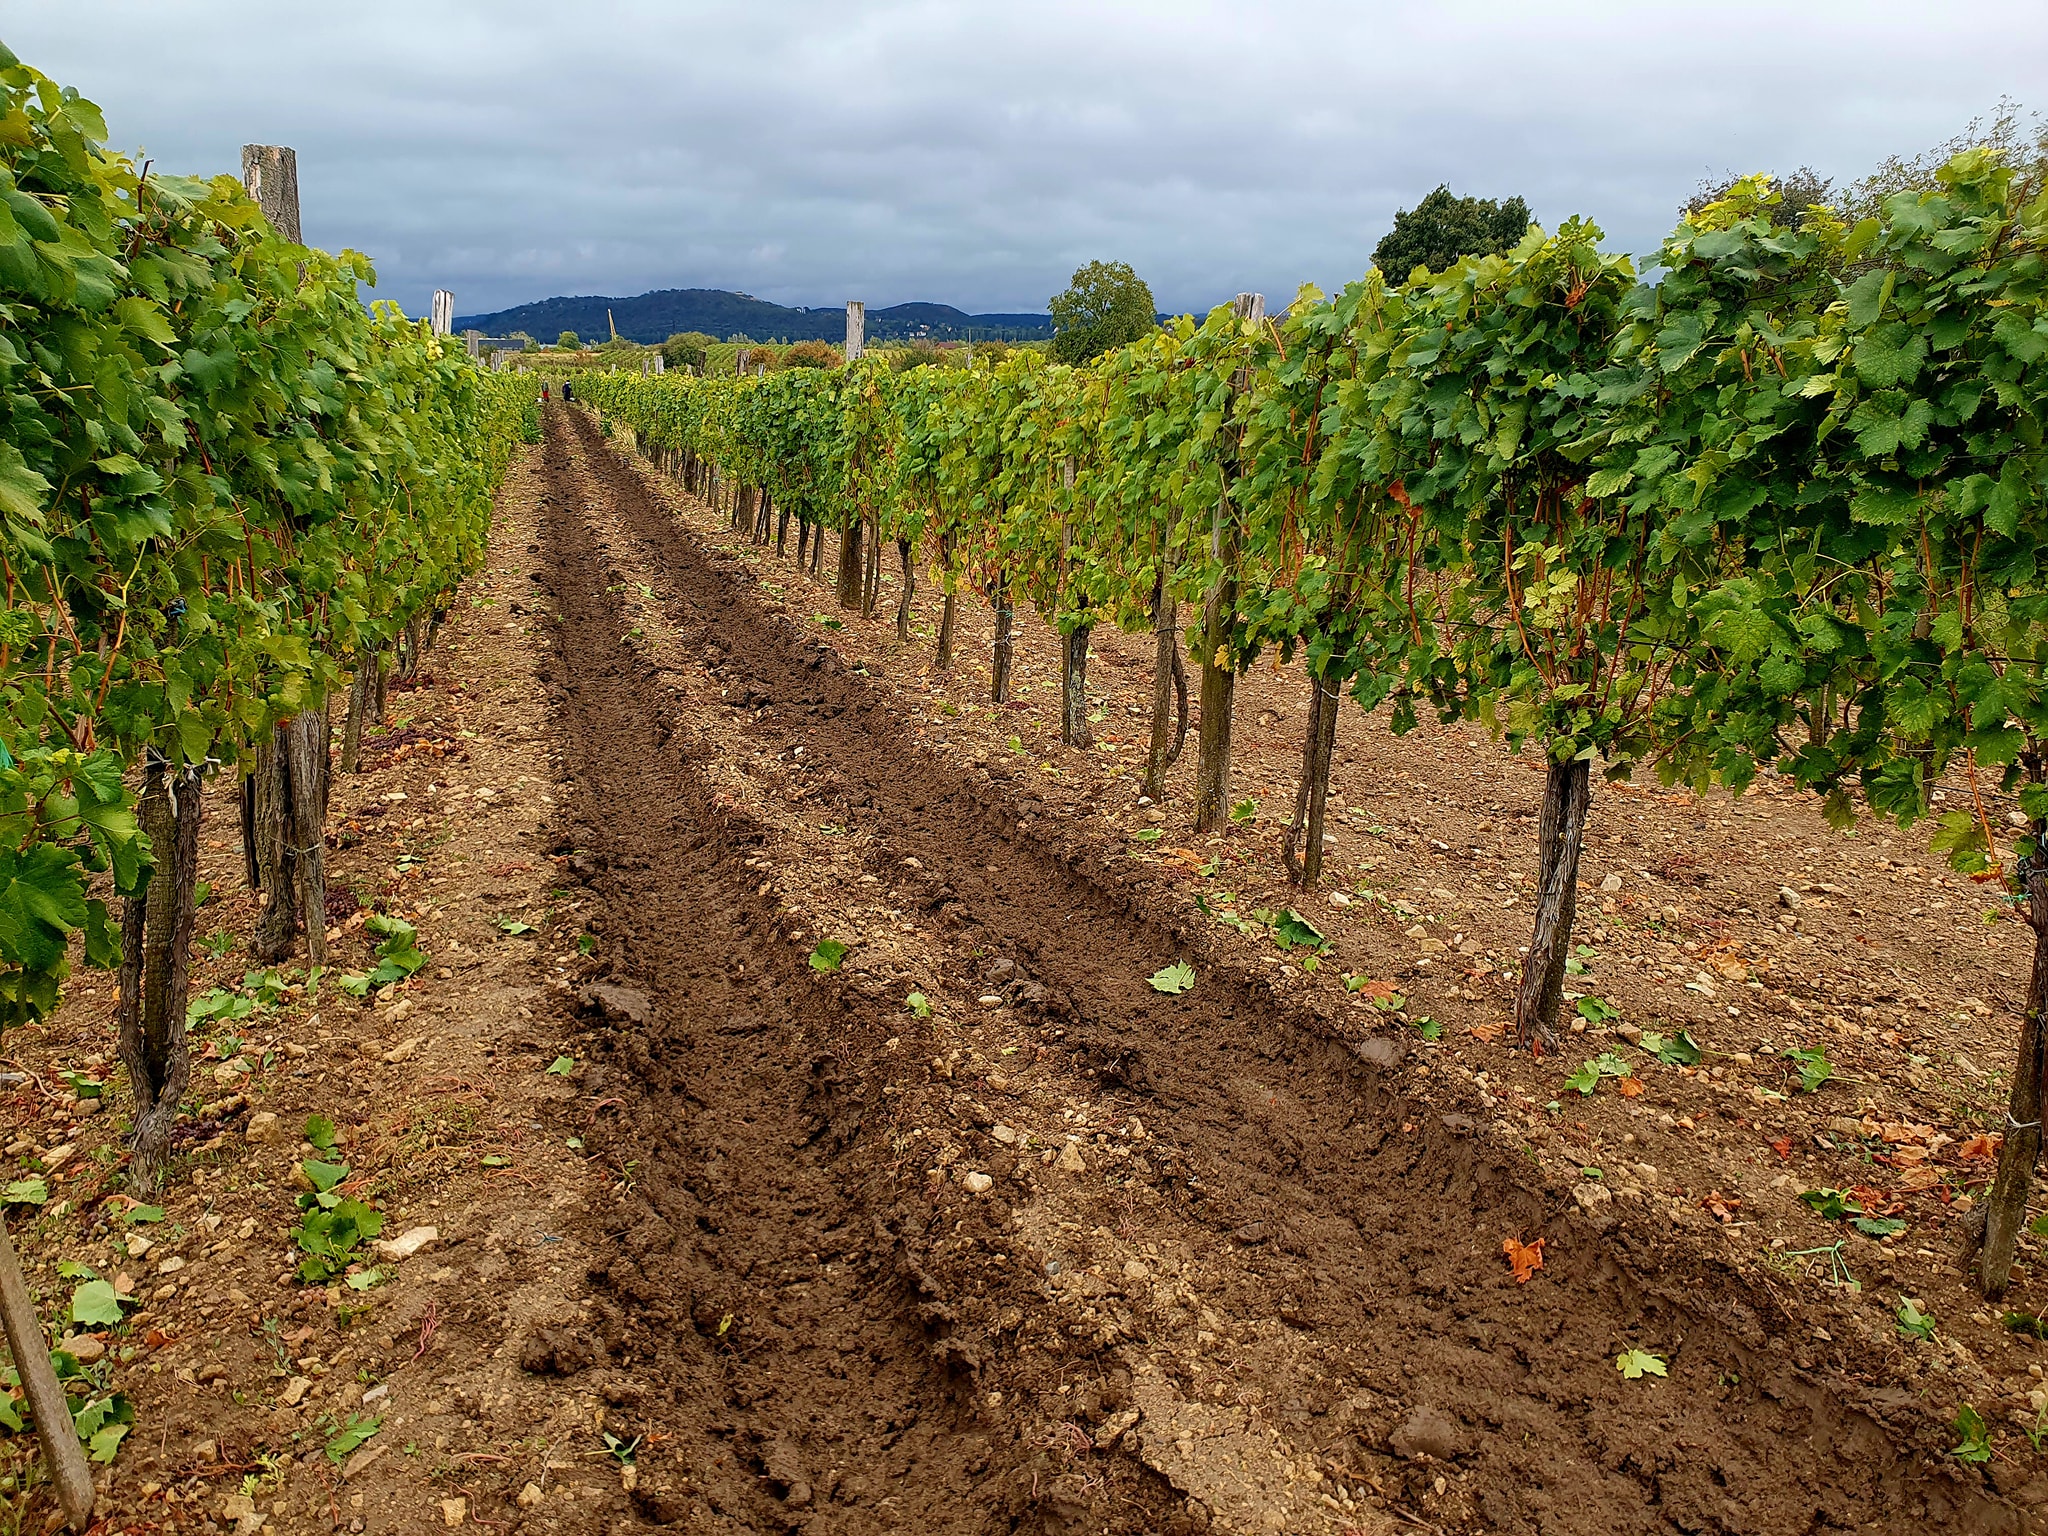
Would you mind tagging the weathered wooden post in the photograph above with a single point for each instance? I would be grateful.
(1219, 674)
(44, 1392)
(473, 342)
(856, 328)
(443, 312)
(292, 854)
(271, 173)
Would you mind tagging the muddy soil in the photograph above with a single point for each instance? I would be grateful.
(1304, 1299)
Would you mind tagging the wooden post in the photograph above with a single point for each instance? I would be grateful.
(473, 342)
(856, 328)
(442, 314)
(1219, 676)
(271, 173)
(45, 1394)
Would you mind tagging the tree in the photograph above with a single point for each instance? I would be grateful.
(1804, 188)
(811, 354)
(687, 349)
(1106, 306)
(569, 341)
(1443, 227)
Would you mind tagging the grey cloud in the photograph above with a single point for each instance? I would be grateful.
(975, 154)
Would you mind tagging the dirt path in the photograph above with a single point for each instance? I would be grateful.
(1281, 1293)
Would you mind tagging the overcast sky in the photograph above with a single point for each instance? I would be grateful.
(973, 153)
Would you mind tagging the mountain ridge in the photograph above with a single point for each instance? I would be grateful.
(653, 317)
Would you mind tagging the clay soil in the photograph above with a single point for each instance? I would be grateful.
(977, 1230)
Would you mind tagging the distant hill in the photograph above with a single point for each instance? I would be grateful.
(653, 317)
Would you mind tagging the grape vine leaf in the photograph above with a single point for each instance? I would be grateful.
(350, 1437)
(828, 956)
(96, 1304)
(1913, 1323)
(1293, 931)
(1175, 979)
(1634, 1364)
(919, 1004)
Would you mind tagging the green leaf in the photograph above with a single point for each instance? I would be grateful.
(31, 1191)
(138, 1215)
(350, 1437)
(514, 926)
(365, 1279)
(1634, 1364)
(919, 1004)
(1814, 1068)
(1879, 1226)
(1244, 811)
(96, 1304)
(106, 1443)
(1679, 1050)
(828, 956)
(1146, 835)
(1913, 1323)
(1294, 931)
(320, 1132)
(1175, 979)
(1586, 1078)
(1974, 1436)
(1597, 1010)
(562, 1066)
(1831, 1204)
(324, 1175)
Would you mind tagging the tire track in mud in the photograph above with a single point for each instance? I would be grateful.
(753, 1261)
(1382, 1219)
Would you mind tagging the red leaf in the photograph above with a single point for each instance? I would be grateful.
(1783, 1147)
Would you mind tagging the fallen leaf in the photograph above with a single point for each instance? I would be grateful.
(1917, 1179)
(1783, 1147)
(1629, 1087)
(1524, 1258)
(1980, 1147)
(1487, 1031)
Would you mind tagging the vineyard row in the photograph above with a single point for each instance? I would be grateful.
(1784, 506)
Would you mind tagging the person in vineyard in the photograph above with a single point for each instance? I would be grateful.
(568, 394)
(543, 394)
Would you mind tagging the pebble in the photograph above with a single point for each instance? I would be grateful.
(401, 1052)
(1070, 1159)
(83, 1348)
(1611, 884)
(978, 1183)
(1005, 1135)
(264, 1128)
(295, 1391)
(454, 1511)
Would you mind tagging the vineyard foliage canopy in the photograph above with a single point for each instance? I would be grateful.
(222, 481)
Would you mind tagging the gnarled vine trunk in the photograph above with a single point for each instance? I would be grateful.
(1305, 867)
(909, 590)
(2005, 1211)
(1006, 642)
(1219, 685)
(1169, 691)
(1074, 687)
(1567, 796)
(156, 957)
